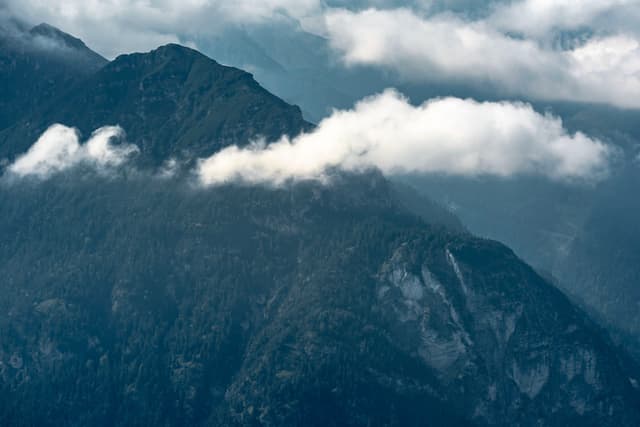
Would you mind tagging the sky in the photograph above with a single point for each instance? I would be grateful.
(568, 50)
(552, 50)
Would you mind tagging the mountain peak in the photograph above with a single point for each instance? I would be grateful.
(181, 56)
(36, 64)
(173, 102)
(175, 48)
(52, 33)
(47, 39)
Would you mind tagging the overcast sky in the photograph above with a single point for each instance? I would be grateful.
(558, 50)
(576, 50)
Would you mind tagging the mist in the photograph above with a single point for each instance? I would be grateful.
(602, 69)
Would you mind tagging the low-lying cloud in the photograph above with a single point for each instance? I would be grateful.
(59, 149)
(448, 136)
(604, 69)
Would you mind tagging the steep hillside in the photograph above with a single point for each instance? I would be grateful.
(602, 265)
(585, 235)
(547, 223)
(146, 302)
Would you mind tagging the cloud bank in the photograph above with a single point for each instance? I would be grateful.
(59, 149)
(113, 27)
(578, 50)
(443, 48)
(449, 136)
(541, 18)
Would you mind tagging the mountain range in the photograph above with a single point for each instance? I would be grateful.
(567, 230)
(139, 300)
(172, 102)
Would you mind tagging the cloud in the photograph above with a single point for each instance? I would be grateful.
(541, 18)
(446, 48)
(113, 27)
(449, 136)
(511, 48)
(59, 149)
(445, 136)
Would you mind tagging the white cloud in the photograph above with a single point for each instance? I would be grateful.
(59, 149)
(449, 136)
(446, 48)
(540, 18)
(445, 135)
(113, 27)
(602, 55)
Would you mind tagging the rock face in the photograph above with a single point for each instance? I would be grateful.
(584, 236)
(467, 308)
(157, 304)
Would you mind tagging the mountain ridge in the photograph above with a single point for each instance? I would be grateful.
(314, 304)
(35, 68)
(130, 300)
(168, 101)
(49, 31)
